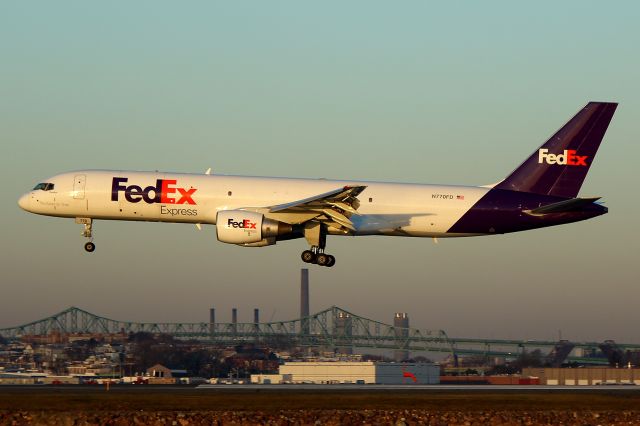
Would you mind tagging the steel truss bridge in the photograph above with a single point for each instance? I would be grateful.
(333, 328)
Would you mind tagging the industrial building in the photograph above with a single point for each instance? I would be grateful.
(367, 372)
(584, 376)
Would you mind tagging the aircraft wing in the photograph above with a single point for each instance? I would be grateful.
(334, 208)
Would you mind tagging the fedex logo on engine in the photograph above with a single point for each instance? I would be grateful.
(163, 192)
(244, 224)
(567, 158)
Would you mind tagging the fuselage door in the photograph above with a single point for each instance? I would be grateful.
(79, 182)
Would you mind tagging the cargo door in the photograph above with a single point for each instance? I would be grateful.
(79, 183)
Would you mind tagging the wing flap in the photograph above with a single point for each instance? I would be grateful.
(333, 207)
(339, 218)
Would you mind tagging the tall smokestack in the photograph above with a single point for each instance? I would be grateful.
(304, 292)
(344, 331)
(256, 323)
(234, 319)
(401, 324)
(212, 321)
(304, 299)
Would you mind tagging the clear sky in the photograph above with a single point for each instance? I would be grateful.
(430, 92)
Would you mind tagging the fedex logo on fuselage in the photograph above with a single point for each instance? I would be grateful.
(163, 192)
(244, 224)
(567, 158)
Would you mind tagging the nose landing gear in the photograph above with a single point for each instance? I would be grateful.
(87, 232)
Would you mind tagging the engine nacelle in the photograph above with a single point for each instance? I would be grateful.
(249, 229)
(262, 243)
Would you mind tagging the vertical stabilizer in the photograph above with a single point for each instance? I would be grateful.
(561, 164)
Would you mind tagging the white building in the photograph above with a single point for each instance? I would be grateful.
(367, 372)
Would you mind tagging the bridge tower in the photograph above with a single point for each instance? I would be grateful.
(401, 329)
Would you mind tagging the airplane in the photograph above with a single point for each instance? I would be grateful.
(260, 211)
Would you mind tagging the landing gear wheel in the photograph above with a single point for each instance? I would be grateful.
(332, 261)
(90, 247)
(322, 259)
(308, 256)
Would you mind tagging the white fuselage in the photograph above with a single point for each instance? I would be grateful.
(259, 211)
(413, 210)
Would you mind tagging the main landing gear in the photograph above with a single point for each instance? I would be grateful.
(316, 236)
(317, 256)
(87, 233)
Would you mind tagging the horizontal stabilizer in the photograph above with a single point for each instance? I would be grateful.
(562, 206)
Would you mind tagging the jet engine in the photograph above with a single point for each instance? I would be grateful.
(249, 229)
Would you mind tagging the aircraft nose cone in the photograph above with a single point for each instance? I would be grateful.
(23, 202)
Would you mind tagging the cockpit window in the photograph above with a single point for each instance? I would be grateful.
(44, 186)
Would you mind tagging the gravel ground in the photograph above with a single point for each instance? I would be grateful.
(323, 417)
(184, 406)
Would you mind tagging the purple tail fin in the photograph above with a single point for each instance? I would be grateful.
(560, 165)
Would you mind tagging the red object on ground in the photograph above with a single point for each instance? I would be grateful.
(410, 375)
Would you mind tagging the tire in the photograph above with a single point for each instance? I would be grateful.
(307, 256)
(332, 261)
(322, 259)
(90, 247)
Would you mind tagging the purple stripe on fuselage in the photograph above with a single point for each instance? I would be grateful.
(501, 211)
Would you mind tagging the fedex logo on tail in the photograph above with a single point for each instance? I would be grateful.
(164, 191)
(567, 158)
